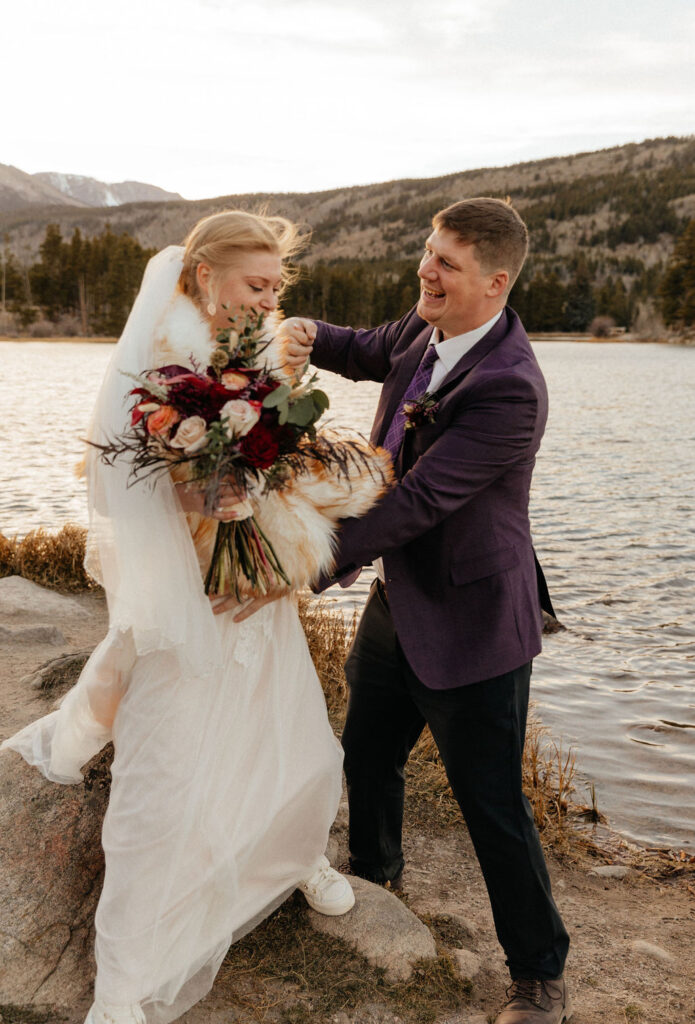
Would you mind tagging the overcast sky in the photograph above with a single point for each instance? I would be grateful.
(212, 97)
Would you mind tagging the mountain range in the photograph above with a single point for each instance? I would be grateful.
(22, 191)
(619, 209)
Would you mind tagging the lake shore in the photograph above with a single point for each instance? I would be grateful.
(633, 929)
(537, 336)
(605, 481)
(74, 341)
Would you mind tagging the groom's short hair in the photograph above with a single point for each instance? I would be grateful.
(495, 230)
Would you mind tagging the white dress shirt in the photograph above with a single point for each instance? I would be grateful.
(449, 352)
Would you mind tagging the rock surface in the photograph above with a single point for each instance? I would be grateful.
(611, 871)
(51, 865)
(22, 597)
(652, 950)
(466, 1018)
(382, 929)
(39, 634)
(467, 963)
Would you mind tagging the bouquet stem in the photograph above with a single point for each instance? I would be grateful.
(243, 552)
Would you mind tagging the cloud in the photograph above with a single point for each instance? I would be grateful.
(213, 96)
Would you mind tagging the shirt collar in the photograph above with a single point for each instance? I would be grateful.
(451, 350)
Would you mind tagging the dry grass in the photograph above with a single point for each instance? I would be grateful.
(12, 1014)
(53, 560)
(285, 965)
(7, 556)
(329, 635)
(548, 772)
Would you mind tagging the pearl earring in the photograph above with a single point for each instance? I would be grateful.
(212, 308)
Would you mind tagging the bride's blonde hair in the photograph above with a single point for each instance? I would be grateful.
(222, 238)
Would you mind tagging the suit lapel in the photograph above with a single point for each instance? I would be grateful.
(481, 348)
(409, 361)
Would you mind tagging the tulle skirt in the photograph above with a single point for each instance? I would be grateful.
(223, 792)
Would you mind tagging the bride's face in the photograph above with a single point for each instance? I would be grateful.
(253, 283)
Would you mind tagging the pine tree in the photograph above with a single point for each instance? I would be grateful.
(579, 301)
(677, 290)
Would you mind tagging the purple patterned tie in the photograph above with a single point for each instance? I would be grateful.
(417, 386)
(394, 435)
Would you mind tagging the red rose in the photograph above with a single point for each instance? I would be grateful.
(260, 447)
(263, 386)
(198, 396)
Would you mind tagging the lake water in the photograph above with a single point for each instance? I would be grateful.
(613, 513)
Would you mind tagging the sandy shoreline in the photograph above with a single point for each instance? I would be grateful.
(75, 341)
(633, 936)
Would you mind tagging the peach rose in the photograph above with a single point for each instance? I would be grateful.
(162, 421)
(233, 380)
(190, 434)
(241, 416)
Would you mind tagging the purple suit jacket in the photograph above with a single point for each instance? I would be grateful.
(454, 532)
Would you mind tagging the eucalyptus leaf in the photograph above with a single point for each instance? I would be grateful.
(302, 412)
(321, 400)
(277, 397)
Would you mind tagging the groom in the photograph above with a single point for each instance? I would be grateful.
(454, 620)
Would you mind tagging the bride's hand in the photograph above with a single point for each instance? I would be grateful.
(300, 334)
(229, 503)
(245, 611)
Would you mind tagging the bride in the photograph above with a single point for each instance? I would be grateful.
(226, 775)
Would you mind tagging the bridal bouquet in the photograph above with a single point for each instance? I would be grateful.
(236, 422)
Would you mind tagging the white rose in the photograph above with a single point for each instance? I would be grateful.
(241, 416)
(191, 434)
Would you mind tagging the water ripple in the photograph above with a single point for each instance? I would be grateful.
(613, 508)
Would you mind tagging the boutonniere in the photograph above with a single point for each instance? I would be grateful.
(420, 410)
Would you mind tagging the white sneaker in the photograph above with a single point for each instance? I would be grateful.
(110, 1013)
(327, 891)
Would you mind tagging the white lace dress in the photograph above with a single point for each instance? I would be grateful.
(226, 775)
(223, 793)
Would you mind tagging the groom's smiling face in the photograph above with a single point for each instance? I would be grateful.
(456, 294)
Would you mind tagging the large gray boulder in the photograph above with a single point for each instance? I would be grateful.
(382, 929)
(51, 866)
(20, 597)
(38, 634)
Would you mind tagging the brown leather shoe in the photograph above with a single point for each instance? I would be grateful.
(536, 1001)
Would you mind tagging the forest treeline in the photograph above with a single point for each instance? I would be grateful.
(86, 286)
(82, 286)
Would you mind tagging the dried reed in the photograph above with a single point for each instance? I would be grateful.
(547, 772)
(8, 561)
(329, 635)
(56, 561)
(327, 977)
(53, 560)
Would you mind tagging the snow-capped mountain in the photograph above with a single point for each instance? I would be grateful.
(19, 190)
(92, 192)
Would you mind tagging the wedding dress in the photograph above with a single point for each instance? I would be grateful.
(226, 775)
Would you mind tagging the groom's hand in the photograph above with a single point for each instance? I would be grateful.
(300, 334)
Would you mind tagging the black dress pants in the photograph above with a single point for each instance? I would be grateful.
(479, 731)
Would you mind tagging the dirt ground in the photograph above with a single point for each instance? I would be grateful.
(632, 959)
